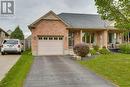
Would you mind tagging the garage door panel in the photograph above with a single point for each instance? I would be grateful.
(51, 50)
(50, 47)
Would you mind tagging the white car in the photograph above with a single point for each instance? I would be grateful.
(11, 46)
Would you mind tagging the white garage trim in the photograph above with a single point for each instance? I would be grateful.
(50, 45)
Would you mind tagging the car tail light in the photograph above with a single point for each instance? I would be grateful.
(18, 46)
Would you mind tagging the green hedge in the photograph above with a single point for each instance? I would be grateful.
(93, 52)
(96, 47)
(125, 48)
(104, 51)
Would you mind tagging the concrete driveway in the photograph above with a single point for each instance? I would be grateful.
(61, 71)
(6, 62)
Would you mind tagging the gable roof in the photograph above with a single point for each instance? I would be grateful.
(29, 37)
(9, 31)
(52, 16)
(83, 20)
(4, 31)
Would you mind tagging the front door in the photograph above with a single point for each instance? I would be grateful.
(71, 40)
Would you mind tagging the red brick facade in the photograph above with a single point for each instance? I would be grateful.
(51, 28)
(77, 37)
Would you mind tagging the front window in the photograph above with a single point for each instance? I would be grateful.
(111, 37)
(88, 37)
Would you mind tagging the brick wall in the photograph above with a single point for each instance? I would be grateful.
(49, 27)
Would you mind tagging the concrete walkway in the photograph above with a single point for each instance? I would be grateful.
(60, 71)
(6, 62)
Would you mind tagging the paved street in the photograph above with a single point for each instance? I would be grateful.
(6, 62)
(61, 71)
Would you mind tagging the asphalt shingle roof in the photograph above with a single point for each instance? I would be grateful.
(83, 20)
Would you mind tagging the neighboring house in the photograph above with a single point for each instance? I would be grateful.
(9, 32)
(3, 35)
(56, 34)
(28, 42)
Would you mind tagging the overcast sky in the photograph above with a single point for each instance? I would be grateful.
(27, 11)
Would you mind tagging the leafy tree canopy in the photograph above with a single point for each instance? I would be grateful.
(17, 34)
(115, 10)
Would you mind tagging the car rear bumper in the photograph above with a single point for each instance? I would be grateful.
(11, 50)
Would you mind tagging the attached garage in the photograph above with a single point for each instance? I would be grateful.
(50, 45)
(49, 35)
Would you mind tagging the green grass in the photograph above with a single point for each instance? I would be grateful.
(17, 74)
(115, 67)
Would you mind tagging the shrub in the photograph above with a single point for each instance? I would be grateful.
(125, 48)
(81, 49)
(96, 47)
(104, 51)
(104, 47)
(93, 52)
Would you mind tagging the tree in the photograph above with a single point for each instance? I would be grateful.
(115, 10)
(17, 34)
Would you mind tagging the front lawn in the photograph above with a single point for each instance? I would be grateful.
(17, 74)
(115, 67)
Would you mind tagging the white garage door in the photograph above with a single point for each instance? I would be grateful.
(49, 45)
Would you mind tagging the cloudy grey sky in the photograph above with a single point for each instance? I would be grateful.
(27, 11)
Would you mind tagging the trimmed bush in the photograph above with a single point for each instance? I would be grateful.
(125, 48)
(93, 52)
(81, 49)
(104, 47)
(104, 51)
(96, 47)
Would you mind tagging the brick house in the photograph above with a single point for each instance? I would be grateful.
(3, 35)
(54, 34)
